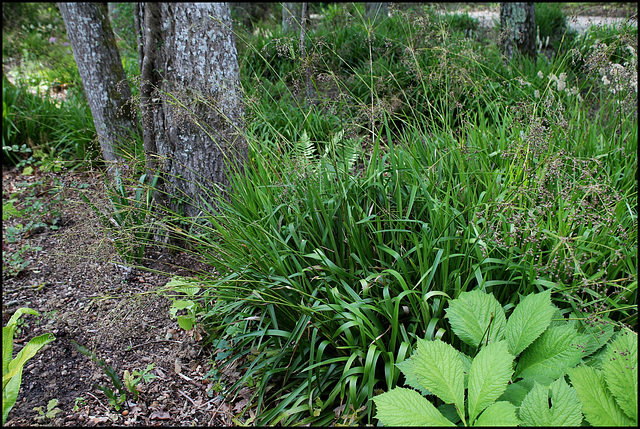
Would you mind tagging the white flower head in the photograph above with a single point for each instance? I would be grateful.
(561, 85)
(540, 74)
(536, 93)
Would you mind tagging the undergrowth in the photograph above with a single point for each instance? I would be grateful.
(394, 167)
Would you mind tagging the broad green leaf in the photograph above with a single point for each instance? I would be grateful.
(27, 352)
(476, 317)
(596, 334)
(408, 370)
(565, 406)
(552, 354)
(185, 322)
(499, 414)
(406, 407)
(439, 368)
(7, 347)
(515, 392)
(490, 373)
(19, 312)
(620, 369)
(529, 319)
(466, 365)
(10, 394)
(598, 405)
(181, 284)
(450, 412)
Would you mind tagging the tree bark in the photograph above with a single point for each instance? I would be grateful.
(191, 101)
(518, 23)
(291, 17)
(98, 60)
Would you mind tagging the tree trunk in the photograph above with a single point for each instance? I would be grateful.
(191, 100)
(291, 17)
(375, 11)
(518, 23)
(98, 60)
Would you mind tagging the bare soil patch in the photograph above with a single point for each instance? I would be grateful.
(85, 293)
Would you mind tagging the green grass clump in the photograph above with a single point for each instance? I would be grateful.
(38, 127)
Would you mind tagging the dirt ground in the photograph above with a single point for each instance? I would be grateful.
(84, 293)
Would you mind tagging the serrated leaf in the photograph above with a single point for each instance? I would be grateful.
(466, 365)
(598, 406)
(183, 285)
(565, 406)
(620, 369)
(515, 392)
(408, 370)
(476, 316)
(499, 414)
(450, 412)
(489, 375)
(406, 407)
(529, 319)
(552, 354)
(596, 334)
(438, 368)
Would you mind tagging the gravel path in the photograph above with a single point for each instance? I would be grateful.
(578, 23)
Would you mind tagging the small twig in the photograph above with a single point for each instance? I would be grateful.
(94, 396)
(186, 396)
(152, 342)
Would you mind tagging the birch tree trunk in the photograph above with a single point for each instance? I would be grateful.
(518, 23)
(103, 78)
(375, 11)
(191, 101)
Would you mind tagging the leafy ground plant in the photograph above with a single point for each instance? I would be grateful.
(12, 368)
(51, 412)
(131, 381)
(544, 346)
(609, 394)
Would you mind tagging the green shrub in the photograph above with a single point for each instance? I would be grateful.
(544, 346)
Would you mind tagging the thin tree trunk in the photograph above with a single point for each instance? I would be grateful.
(98, 60)
(375, 11)
(518, 24)
(291, 17)
(150, 32)
(309, 92)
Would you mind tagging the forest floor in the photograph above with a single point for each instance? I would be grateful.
(58, 259)
(67, 269)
